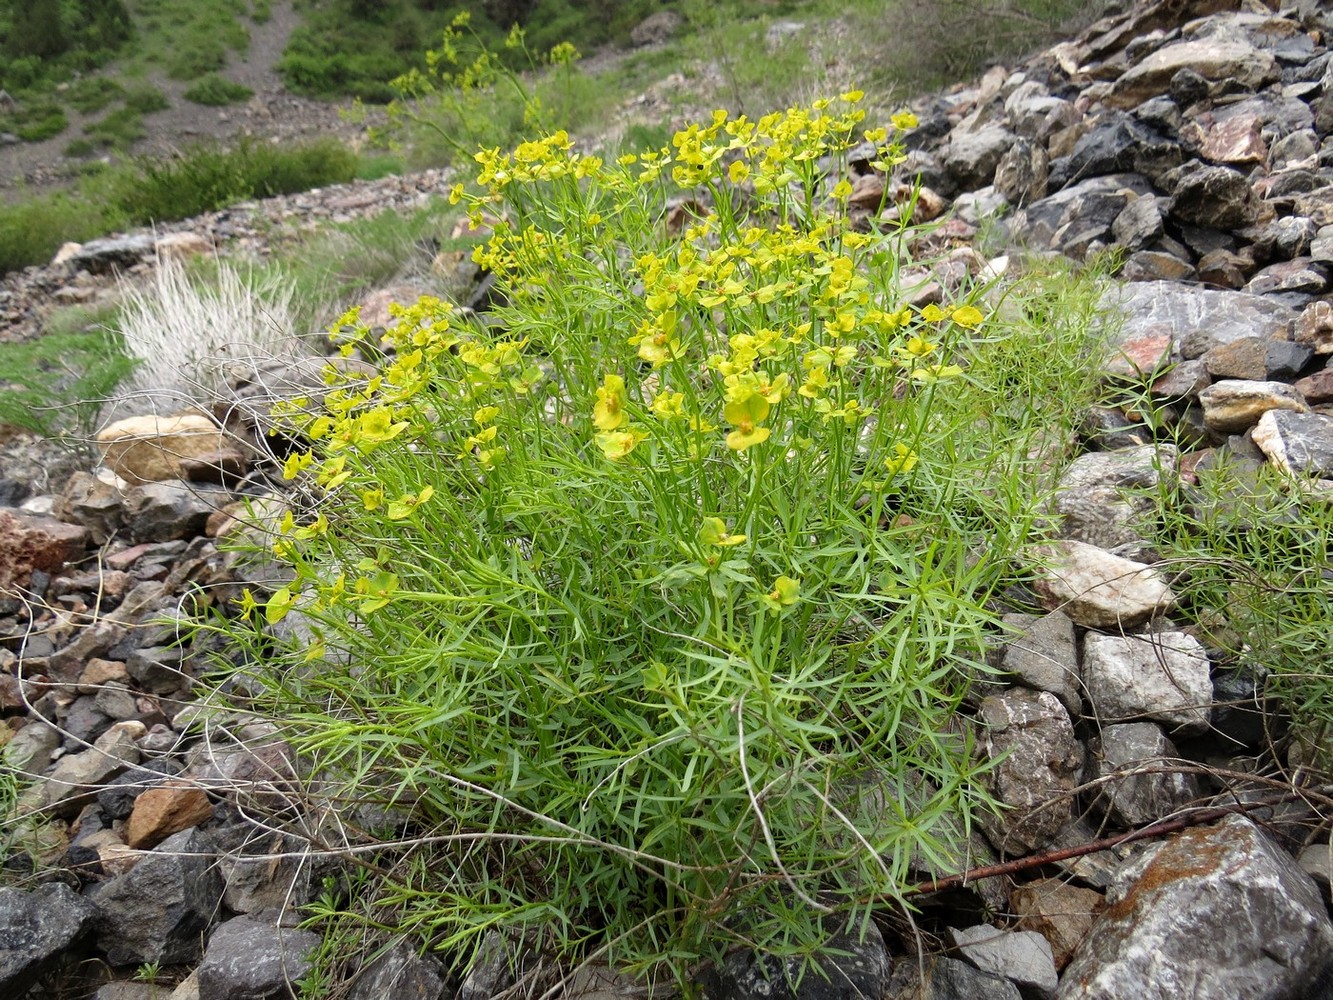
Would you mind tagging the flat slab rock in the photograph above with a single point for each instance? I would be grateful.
(1216, 913)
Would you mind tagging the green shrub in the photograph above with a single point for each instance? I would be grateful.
(31, 231)
(93, 93)
(80, 147)
(35, 121)
(146, 99)
(120, 128)
(654, 597)
(216, 91)
(195, 57)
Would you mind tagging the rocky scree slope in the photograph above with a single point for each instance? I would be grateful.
(1194, 137)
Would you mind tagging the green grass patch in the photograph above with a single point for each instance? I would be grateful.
(201, 179)
(93, 93)
(119, 129)
(217, 91)
(35, 120)
(59, 382)
(145, 99)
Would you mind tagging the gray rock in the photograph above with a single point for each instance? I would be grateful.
(158, 668)
(401, 974)
(1044, 656)
(159, 512)
(1023, 957)
(1216, 913)
(249, 959)
(1104, 497)
(1163, 676)
(159, 910)
(972, 156)
(656, 28)
(1020, 176)
(1234, 405)
(1091, 205)
(1138, 224)
(1314, 327)
(1132, 798)
(949, 979)
(1096, 588)
(1157, 265)
(1284, 359)
(30, 752)
(1213, 197)
(112, 253)
(76, 778)
(1300, 276)
(37, 928)
(128, 990)
(1197, 319)
(1039, 764)
(1297, 443)
(851, 967)
(1210, 58)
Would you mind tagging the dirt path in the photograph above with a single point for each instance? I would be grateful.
(272, 114)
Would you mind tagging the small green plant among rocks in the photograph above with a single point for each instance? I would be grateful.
(652, 600)
(215, 90)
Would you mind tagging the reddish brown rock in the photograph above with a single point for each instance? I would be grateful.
(166, 809)
(31, 542)
(1235, 140)
(1059, 912)
(1317, 388)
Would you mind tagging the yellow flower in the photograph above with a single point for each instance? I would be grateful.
(608, 413)
(669, 404)
(738, 171)
(616, 445)
(784, 594)
(372, 499)
(936, 373)
(904, 120)
(246, 602)
(968, 316)
(486, 414)
(296, 462)
(746, 416)
(919, 347)
(933, 313)
(402, 507)
(902, 460)
(713, 531)
(282, 601)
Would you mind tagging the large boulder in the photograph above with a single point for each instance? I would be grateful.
(1217, 913)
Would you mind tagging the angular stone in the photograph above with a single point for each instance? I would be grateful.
(1164, 676)
(151, 448)
(1103, 497)
(1301, 275)
(1197, 319)
(249, 959)
(401, 974)
(104, 256)
(1215, 913)
(1144, 788)
(30, 750)
(32, 542)
(37, 929)
(1213, 197)
(952, 979)
(1138, 224)
(89, 501)
(1059, 912)
(850, 966)
(1284, 359)
(1224, 268)
(1317, 388)
(1039, 764)
(76, 778)
(160, 909)
(1297, 443)
(1235, 140)
(1234, 405)
(1091, 205)
(1243, 359)
(172, 509)
(1020, 176)
(1317, 204)
(1157, 265)
(1043, 655)
(1096, 588)
(166, 809)
(1211, 58)
(1314, 327)
(1022, 957)
(972, 156)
